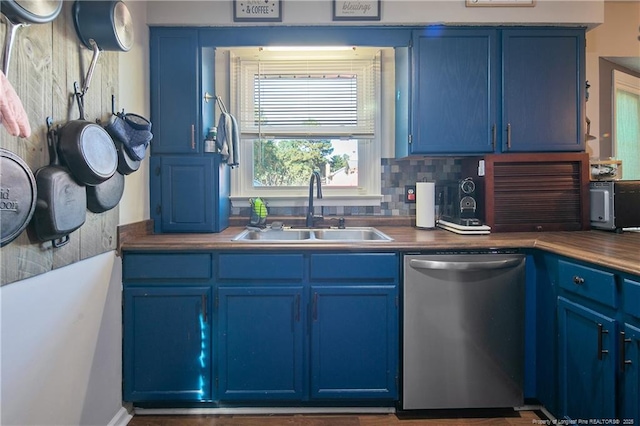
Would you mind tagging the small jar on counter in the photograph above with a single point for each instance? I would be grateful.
(210, 140)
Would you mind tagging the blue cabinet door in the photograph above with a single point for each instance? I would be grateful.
(630, 373)
(543, 90)
(454, 110)
(354, 342)
(586, 362)
(260, 348)
(167, 344)
(174, 93)
(194, 194)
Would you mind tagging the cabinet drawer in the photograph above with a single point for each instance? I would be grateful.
(260, 266)
(378, 266)
(631, 297)
(183, 266)
(588, 282)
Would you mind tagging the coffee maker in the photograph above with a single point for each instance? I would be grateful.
(457, 203)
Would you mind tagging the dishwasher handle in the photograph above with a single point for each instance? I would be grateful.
(465, 266)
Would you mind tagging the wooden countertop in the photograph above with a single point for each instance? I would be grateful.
(608, 249)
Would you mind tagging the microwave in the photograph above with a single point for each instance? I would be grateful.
(614, 204)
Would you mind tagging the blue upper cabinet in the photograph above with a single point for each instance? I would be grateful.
(189, 189)
(174, 93)
(543, 88)
(482, 90)
(454, 108)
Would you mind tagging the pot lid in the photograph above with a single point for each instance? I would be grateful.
(32, 11)
(17, 196)
(123, 25)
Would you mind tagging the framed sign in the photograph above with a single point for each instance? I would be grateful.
(356, 10)
(257, 10)
(503, 3)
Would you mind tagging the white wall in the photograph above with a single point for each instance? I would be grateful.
(400, 12)
(61, 346)
(61, 332)
(134, 97)
(616, 37)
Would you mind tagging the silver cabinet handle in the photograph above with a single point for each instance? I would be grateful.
(193, 136)
(464, 266)
(509, 136)
(578, 280)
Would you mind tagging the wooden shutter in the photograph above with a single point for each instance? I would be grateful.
(533, 192)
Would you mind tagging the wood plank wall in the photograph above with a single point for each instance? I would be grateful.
(46, 60)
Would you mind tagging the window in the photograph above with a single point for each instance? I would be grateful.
(300, 111)
(626, 123)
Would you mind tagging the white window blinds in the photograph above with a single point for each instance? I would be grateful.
(317, 98)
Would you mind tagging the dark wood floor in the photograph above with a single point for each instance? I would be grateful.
(521, 418)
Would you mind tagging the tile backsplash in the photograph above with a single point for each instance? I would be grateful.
(396, 173)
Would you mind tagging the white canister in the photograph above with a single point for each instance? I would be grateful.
(425, 204)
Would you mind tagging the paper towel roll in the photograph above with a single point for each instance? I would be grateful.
(425, 204)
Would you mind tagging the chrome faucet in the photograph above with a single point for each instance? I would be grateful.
(310, 216)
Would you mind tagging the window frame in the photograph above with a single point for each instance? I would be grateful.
(368, 191)
(383, 37)
(628, 83)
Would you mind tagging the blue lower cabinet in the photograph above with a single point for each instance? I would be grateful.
(354, 342)
(586, 362)
(260, 343)
(189, 193)
(630, 374)
(167, 344)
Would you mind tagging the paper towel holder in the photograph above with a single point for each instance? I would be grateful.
(425, 205)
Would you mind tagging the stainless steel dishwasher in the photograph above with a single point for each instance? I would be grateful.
(463, 330)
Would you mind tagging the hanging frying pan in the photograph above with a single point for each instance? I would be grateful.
(87, 150)
(17, 196)
(22, 12)
(62, 202)
(126, 164)
(106, 195)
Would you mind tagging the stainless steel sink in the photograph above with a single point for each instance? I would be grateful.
(289, 235)
(352, 234)
(273, 235)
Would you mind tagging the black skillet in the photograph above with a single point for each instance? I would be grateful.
(87, 149)
(106, 195)
(61, 206)
(126, 164)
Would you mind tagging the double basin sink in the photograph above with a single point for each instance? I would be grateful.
(331, 235)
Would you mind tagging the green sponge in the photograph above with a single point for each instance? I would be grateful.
(259, 208)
